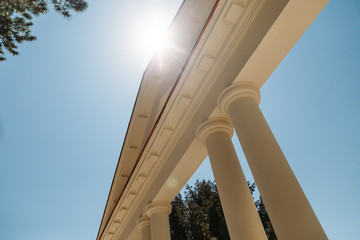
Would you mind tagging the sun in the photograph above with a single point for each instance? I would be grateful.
(152, 37)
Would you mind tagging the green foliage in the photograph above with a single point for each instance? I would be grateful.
(177, 219)
(199, 215)
(269, 230)
(16, 19)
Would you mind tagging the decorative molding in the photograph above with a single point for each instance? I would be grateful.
(236, 91)
(148, 164)
(129, 199)
(166, 132)
(109, 236)
(183, 102)
(138, 183)
(121, 213)
(214, 125)
(205, 63)
(143, 222)
(114, 227)
(234, 13)
(159, 206)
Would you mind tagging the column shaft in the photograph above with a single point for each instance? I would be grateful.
(146, 233)
(160, 228)
(159, 218)
(288, 208)
(241, 216)
(143, 224)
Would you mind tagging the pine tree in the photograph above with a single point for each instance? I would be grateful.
(16, 16)
(177, 219)
(269, 230)
(199, 215)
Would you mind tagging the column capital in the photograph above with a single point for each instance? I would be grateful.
(214, 125)
(158, 206)
(143, 222)
(236, 91)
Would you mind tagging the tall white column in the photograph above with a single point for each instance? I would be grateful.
(241, 217)
(288, 208)
(159, 218)
(143, 224)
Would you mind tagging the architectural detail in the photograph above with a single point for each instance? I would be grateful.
(159, 217)
(166, 133)
(233, 13)
(276, 182)
(241, 216)
(148, 164)
(109, 236)
(235, 91)
(212, 126)
(114, 226)
(143, 224)
(206, 63)
(233, 45)
(158, 207)
(184, 102)
(121, 214)
(129, 199)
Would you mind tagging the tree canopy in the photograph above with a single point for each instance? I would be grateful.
(16, 19)
(198, 214)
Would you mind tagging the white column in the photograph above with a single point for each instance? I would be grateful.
(143, 224)
(288, 208)
(241, 217)
(159, 218)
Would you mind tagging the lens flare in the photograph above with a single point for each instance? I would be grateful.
(152, 33)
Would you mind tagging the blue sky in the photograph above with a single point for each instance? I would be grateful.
(65, 103)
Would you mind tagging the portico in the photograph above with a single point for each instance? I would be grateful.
(196, 100)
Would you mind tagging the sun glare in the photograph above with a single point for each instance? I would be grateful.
(152, 34)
